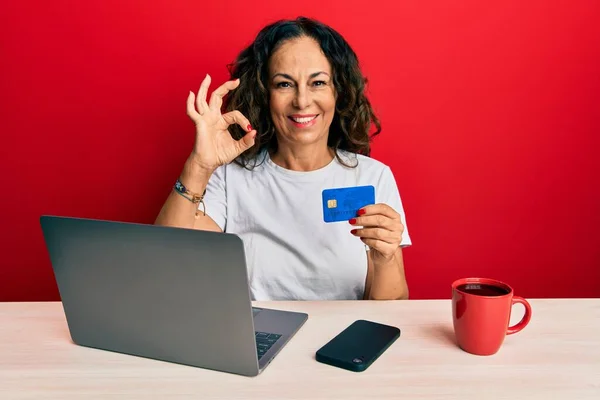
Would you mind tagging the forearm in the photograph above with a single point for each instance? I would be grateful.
(177, 210)
(389, 281)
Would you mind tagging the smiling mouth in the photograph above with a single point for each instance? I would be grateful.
(303, 120)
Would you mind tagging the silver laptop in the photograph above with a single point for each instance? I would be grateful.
(170, 294)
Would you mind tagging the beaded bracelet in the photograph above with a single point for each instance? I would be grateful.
(195, 198)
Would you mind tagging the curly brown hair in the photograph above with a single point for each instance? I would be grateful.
(354, 116)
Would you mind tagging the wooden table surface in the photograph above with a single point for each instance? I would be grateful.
(557, 356)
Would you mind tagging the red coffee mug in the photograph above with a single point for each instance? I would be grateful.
(481, 310)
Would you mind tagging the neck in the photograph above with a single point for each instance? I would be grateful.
(304, 159)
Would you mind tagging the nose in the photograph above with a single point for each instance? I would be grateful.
(302, 99)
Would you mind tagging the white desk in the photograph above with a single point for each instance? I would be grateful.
(556, 357)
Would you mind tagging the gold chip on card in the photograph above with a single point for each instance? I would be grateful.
(332, 203)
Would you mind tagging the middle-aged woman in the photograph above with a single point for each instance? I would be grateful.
(293, 121)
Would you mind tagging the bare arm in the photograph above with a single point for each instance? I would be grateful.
(179, 211)
(386, 281)
(213, 147)
(382, 230)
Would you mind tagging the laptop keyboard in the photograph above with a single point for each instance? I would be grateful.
(264, 341)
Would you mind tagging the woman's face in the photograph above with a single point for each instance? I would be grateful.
(302, 94)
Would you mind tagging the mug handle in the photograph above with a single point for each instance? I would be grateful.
(525, 320)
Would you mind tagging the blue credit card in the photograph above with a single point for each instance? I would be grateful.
(341, 204)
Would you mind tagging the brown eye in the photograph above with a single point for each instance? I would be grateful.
(283, 85)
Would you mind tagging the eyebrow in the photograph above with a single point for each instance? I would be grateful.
(286, 76)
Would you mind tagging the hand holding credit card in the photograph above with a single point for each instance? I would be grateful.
(341, 204)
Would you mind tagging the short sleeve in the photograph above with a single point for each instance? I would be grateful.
(215, 199)
(387, 192)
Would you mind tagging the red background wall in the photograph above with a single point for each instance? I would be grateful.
(489, 110)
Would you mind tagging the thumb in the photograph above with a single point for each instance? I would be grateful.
(247, 141)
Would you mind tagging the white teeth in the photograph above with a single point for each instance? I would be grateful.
(303, 120)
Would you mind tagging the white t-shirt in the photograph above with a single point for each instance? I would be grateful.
(291, 253)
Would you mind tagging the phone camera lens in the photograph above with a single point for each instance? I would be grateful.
(357, 361)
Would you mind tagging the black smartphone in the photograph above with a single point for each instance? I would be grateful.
(358, 346)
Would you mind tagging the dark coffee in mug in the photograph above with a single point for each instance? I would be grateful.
(481, 309)
(482, 289)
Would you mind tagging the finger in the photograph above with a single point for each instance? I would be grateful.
(216, 98)
(191, 110)
(201, 104)
(378, 234)
(382, 247)
(377, 220)
(246, 142)
(236, 117)
(380, 208)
